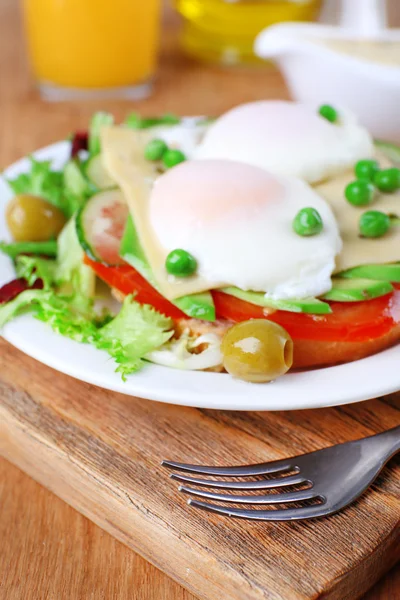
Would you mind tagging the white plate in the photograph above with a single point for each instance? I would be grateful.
(352, 382)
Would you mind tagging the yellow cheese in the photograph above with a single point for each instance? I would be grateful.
(357, 250)
(123, 156)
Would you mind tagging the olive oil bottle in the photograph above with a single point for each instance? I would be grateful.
(223, 31)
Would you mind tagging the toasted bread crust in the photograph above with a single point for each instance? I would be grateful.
(307, 354)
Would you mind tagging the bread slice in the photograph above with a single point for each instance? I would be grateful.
(307, 354)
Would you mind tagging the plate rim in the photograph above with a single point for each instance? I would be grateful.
(320, 388)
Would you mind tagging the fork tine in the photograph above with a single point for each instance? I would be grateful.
(297, 496)
(239, 471)
(264, 484)
(288, 514)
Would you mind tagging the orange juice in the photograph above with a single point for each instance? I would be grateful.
(91, 44)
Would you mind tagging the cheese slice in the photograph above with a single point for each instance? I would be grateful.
(357, 250)
(123, 156)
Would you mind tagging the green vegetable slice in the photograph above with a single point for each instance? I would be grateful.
(357, 290)
(75, 182)
(98, 175)
(304, 305)
(385, 272)
(100, 224)
(13, 249)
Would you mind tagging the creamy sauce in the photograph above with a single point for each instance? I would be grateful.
(387, 53)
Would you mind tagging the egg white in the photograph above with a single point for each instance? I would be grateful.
(287, 138)
(236, 220)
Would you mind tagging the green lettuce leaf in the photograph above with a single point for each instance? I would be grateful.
(13, 249)
(40, 181)
(22, 303)
(99, 120)
(72, 274)
(32, 268)
(67, 189)
(70, 316)
(135, 331)
(77, 188)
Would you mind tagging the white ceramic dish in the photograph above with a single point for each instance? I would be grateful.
(352, 382)
(316, 74)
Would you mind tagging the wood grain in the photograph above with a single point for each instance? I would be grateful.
(100, 451)
(50, 551)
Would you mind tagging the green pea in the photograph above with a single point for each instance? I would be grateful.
(329, 113)
(308, 222)
(171, 158)
(359, 193)
(366, 169)
(374, 224)
(155, 150)
(180, 263)
(388, 180)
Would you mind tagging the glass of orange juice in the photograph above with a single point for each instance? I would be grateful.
(92, 48)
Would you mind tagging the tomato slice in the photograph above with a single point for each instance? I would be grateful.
(127, 280)
(351, 321)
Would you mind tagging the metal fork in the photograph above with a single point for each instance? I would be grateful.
(335, 477)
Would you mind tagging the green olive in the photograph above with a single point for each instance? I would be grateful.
(33, 219)
(257, 350)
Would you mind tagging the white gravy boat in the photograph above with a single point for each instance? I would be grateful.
(317, 74)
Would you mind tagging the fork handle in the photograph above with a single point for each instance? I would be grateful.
(386, 443)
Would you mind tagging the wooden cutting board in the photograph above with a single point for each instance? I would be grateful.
(101, 452)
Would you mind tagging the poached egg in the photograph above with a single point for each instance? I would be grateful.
(287, 139)
(236, 220)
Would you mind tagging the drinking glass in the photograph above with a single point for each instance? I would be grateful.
(92, 48)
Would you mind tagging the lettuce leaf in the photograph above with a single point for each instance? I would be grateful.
(72, 274)
(19, 305)
(32, 268)
(70, 316)
(66, 189)
(133, 333)
(99, 120)
(40, 181)
(77, 188)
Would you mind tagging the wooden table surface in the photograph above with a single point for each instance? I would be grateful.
(48, 550)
